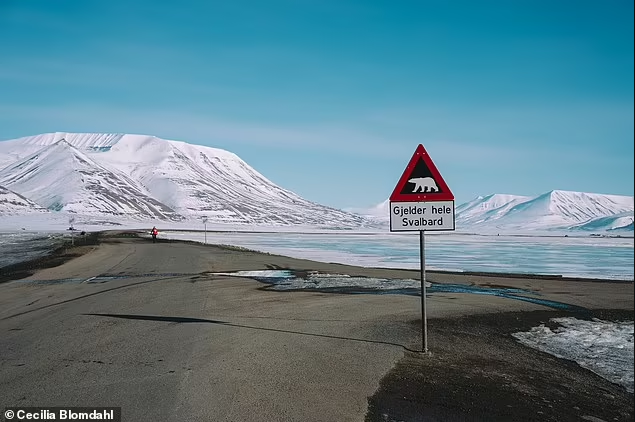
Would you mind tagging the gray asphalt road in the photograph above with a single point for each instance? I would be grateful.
(169, 342)
(166, 340)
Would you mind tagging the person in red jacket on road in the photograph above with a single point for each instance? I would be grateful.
(154, 232)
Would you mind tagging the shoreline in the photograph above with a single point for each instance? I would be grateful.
(53, 258)
(385, 231)
(66, 252)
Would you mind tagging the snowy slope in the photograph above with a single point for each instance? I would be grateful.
(12, 203)
(198, 180)
(617, 222)
(59, 177)
(165, 175)
(483, 209)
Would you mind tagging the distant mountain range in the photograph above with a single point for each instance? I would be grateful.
(108, 177)
(553, 210)
(148, 178)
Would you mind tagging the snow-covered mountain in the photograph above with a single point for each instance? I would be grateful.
(553, 210)
(12, 203)
(59, 177)
(145, 177)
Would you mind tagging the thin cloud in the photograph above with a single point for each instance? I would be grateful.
(58, 73)
(352, 140)
(515, 132)
(198, 128)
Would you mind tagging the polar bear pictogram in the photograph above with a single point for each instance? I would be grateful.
(424, 184)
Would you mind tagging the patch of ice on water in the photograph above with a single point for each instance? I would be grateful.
(260, 274)
(336, 281)
(327, 275)
(603, 347)
(287, 280)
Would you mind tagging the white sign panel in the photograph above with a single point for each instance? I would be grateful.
(417, 216)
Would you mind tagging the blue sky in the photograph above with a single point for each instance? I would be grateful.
(329, 98)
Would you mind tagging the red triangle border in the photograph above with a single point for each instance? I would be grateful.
(445, 194)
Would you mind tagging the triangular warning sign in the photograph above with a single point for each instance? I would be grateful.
(421, 181)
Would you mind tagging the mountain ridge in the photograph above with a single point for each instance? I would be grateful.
(552, 210)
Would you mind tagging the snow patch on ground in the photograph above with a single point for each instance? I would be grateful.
(603, 347)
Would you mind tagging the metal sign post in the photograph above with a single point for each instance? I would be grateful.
(422, 201)
(205, 225)
(424, 314)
